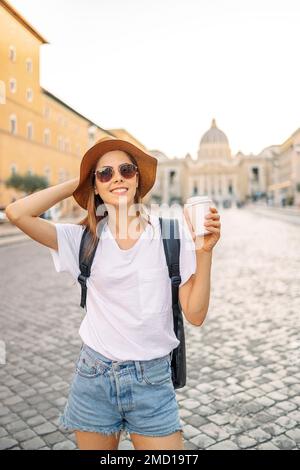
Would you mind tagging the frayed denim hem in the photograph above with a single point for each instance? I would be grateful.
(169, 433)
(63, 425)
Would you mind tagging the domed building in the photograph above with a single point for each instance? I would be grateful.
(214, 144)
(214, 173)
(228, 180)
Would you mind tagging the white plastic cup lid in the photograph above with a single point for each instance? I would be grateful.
(198, 199)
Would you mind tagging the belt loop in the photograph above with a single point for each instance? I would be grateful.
(139, 370)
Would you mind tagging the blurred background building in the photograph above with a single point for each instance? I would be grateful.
(272, 176)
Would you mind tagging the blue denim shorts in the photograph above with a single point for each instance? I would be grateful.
(109, 396)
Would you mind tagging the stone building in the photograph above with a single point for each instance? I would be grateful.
(273, 175)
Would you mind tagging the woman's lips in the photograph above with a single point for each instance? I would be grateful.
(119, 191)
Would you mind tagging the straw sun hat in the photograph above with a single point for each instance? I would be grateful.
(147, 165)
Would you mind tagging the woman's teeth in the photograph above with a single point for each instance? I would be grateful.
(119, 191)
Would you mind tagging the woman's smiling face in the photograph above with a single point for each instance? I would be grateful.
(106, 189)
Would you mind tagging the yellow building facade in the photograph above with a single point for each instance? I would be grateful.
(39, 133)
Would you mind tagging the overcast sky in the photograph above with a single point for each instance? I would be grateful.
(163, 69)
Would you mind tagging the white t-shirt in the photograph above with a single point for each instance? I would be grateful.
(129, 298)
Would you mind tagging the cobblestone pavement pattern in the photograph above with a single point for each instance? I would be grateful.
(243, 389)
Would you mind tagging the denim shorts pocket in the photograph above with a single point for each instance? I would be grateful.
(87, 367)
(157, 373)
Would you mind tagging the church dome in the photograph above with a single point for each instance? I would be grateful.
(214, 145)
(214, 135)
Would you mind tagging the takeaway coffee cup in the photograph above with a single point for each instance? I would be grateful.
(198, 207)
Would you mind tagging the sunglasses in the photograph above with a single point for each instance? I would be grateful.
(126, 170)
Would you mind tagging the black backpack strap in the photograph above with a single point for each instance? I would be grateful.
(171, 240)
(85, 267)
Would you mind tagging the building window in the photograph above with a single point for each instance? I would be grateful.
(12, 54)
(220, 186)
(255, 174)
(29, 94)
(47, 112)
(47, 174)
(29, 131)
(29, 171)
(60, 143)
(92, 135)
(13, 85)
(29, 65)
(13, 124)
(67, 146)
(172, 177)
(47, 136)
(61, 175)
(2, 92)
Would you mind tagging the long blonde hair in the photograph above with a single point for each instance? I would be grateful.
(92, 219)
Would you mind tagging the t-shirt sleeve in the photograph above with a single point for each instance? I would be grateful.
(187, 258)
(66, 258)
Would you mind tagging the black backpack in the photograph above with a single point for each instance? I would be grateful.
(172, 249)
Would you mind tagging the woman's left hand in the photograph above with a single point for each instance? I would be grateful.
(212, 224)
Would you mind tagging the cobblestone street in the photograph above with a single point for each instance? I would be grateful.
(243, 388)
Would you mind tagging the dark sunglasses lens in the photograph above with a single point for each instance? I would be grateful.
(128, 170)
(104, 175)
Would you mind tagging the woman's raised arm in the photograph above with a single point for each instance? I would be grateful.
(25, 212)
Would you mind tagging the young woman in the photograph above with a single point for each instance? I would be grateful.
(122, 378)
